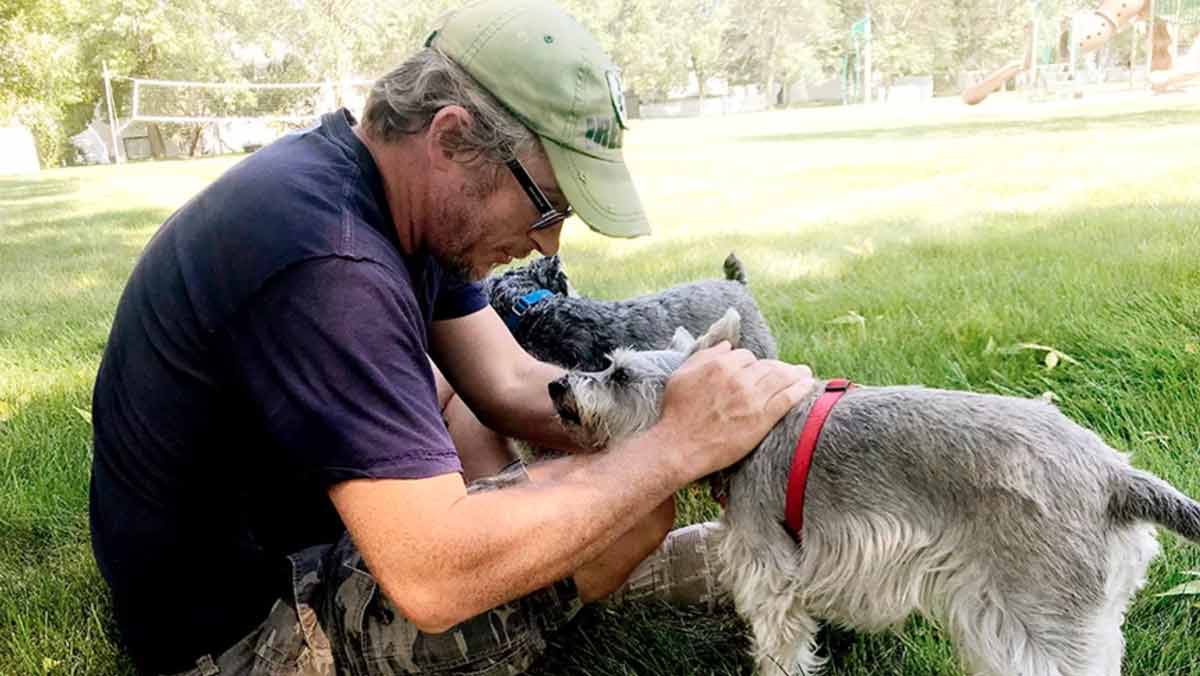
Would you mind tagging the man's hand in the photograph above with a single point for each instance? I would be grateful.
(721, 403)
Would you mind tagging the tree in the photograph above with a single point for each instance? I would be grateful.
(776, 42)
(909, 37)
(632, 32)
(699, 32)
(987, 33)
(39, 83)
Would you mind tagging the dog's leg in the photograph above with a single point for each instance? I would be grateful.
(760, 574)
(1129, 555)
(1004, 634)
(785, 646)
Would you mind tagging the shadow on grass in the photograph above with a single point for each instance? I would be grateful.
(55, 606)
(1016, 245)
(61, 281)
(1099, 123)
(16, 189)
(23, 200)
(929, 283)
(95, 225)
(648, 638)
(43, 260)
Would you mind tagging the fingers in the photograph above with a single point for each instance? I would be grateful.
(788, 398)
(781, 386)
(768, 386)
(774, 387)
(768, 373)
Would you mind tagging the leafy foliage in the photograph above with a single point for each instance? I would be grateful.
(52, 52)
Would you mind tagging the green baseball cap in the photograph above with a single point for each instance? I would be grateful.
(554, 77)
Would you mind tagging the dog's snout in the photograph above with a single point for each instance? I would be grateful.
(558, 389)
(564, 401)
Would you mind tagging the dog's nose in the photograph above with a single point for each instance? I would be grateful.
(558, 389)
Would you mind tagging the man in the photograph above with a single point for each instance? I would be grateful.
(274, 489)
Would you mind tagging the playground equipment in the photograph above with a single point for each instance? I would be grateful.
(1089, 31)
(856, 65)
(1187, 69)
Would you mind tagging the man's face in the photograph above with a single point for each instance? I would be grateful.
(484, 218)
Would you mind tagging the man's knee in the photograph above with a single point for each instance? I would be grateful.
(368, 633)
(647, 535)
(682, 570)
(605, 574)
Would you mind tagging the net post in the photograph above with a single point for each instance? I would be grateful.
(112, 115)
(868, 65)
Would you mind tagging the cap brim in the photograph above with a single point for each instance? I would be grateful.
(600, 191)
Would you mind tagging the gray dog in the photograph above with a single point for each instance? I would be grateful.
(1022, 534)
(556, 325)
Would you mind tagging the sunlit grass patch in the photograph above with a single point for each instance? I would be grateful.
(890, 246)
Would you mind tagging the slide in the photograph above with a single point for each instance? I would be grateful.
(1092, 31)
(995, 80)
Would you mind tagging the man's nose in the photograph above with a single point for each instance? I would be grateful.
(547, 240)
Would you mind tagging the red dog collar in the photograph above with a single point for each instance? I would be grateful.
(802, 461)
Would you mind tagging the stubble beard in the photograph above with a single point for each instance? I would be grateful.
(452, 246)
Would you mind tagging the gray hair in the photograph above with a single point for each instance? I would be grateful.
(404, 101)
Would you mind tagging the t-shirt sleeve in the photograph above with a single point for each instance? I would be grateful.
(334, 352)
(457, 297)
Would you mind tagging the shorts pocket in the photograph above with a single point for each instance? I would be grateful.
(292, 642)
(499, 642)
(280, 649)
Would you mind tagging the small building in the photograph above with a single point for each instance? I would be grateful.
(18, 153)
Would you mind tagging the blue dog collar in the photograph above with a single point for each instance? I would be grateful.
(522, 306)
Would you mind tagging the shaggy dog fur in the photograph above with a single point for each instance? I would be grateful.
(1021, 533)
(576, 332)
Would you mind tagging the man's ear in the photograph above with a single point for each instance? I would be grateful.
(444, 138)
(727, 328)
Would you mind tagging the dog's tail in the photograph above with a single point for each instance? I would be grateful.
(734, 270)
(1141, 496)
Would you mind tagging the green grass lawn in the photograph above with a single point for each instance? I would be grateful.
(891, 246)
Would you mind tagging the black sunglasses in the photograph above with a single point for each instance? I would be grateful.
(548, 215)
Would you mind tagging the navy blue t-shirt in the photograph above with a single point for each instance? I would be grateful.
(271, 342)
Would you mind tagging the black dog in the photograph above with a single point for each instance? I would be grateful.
(554, 325)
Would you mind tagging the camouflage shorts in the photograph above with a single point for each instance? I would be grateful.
(338, 621)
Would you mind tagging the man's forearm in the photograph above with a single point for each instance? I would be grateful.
(524, 409)
(502, 385)
(496, 546)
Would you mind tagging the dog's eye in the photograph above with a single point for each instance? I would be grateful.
(620, 376)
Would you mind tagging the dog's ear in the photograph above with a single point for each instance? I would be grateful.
(682, 341)
(727, 328)
(570, 288)
(562, 283)
(552, 277)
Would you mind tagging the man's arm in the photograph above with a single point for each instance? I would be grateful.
(442, 555)
(498, 380)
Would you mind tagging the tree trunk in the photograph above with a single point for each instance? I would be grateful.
(699, 80)
(195, 140)
(769, 67)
